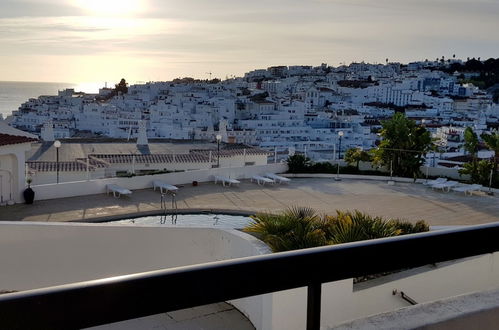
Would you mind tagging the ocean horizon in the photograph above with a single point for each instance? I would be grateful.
(15, 93)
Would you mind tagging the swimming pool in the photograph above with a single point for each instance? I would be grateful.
(203, 220)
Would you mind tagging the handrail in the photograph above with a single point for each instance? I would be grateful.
(92, 303)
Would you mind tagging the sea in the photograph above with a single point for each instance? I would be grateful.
(14, 93)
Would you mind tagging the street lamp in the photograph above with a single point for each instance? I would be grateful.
(340, 134)
(219, 138)
(57, 145)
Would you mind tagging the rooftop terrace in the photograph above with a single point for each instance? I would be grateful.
(403, 200)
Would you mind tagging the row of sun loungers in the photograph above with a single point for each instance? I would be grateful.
(270, 178)
(448, 185)
(118, 190)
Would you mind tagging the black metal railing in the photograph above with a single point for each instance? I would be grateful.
(120, 298)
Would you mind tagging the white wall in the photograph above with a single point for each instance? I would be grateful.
(7, 179)
(81, 188)
(35, 255)
(342, 301)
(13, 160)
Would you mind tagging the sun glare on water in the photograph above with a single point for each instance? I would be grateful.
(111, 7)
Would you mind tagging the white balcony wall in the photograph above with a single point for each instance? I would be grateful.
(36, 255)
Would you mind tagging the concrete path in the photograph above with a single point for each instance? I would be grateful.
(220, 316)
(404, 200)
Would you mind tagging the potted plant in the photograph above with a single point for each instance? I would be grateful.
(29, 194)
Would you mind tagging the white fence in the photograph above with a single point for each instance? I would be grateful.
(91, 187)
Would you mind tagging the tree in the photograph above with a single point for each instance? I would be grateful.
(298, 163)
(470, 141)
(492, 142)
(301, 227)
(295, 228)
(403, 146)
(357, 226)
(122, 87)
(471, 147)
(356, 155)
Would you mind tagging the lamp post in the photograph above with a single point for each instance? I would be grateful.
(57, 145)
(340, 134)
(219, 138)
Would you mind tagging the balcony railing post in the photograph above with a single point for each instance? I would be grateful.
(314, 306)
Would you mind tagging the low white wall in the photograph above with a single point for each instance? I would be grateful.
(35, 255)
(81, 188)
(342, 301)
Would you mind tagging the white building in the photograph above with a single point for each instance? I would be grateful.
(13, 147)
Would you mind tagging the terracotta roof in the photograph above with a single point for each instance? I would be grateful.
(63, 166)
(152, 158)
(7, 139)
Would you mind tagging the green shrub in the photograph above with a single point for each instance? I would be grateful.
(301, 227)
(357, 226)
(298, 164)
(295, 228)
(406, 227)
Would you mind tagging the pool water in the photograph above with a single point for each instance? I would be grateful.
(223, 221)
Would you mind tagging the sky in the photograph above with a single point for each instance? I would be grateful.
(81, 41)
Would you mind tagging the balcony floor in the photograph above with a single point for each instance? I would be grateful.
(209, 317)
(403, 200)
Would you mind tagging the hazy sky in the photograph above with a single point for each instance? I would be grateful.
(143, 40)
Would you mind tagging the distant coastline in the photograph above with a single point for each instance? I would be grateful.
(14, 93)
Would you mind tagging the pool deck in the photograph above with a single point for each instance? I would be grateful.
(403, 200)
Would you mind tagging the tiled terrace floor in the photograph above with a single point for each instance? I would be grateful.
(220, 316)
(403, 200)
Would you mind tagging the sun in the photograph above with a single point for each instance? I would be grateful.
(111, 7)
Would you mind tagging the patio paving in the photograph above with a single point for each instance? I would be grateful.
(403, 200)
(220, 316)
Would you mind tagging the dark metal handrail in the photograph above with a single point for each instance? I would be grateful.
(119, 298)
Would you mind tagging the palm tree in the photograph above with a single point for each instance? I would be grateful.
(492, 142)
(295, 228)
(301, 227)
(357, 226)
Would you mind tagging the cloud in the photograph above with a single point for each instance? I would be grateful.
(174, 34)
(37, 8)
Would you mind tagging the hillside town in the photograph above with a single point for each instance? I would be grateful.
(316, 111)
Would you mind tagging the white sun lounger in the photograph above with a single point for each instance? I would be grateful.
(117, 190)
(261, 180)
(277, 178)
(445, 186)
(225, 180)
(436, 181)
(163, 185)
(468, 188)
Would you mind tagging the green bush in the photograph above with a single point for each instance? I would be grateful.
(302, 164)
(296, 228)
(299, 228)
(354, 226)
(406, 227)
(298, 164)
